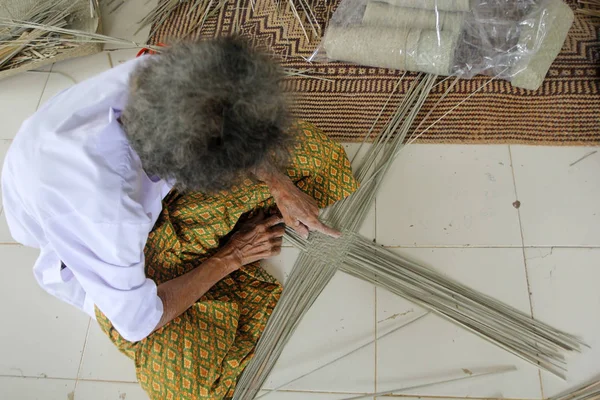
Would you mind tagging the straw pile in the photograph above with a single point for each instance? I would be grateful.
(589, 7)
(24, 46)
(587, 391)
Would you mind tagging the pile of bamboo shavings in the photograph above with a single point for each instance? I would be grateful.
(321, 257)
(63, 35)
(25, 40)
(20, 44)
(589, 7)
(66, 37)
(586, 391)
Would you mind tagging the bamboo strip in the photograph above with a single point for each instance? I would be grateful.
(491, 371)
(271, 391)
(586, 391)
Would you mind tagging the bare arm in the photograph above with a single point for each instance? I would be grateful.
(181, 293)
(299, 210)
(258, 239)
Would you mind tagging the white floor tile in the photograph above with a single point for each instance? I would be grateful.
(449, 195)
(340, 320)
(124, 22)
(433, 348)
(40, 335)
(309, 396)
(12, 388)
(70, 72)
(280, 266)
(89, 390)
(19, 97)
(560, 202)
(564, 286)
(102, 361)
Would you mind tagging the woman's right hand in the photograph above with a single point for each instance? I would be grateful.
(258, 238)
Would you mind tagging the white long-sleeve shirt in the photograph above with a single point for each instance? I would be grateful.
(74, 188)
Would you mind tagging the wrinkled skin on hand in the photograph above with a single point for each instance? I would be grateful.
(258, 238)
(300, 211)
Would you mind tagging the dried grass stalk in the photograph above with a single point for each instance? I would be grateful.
(15, 39)
(64, 35)
(586, 391)
(589, 7)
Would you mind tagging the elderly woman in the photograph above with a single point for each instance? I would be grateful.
(143, 189)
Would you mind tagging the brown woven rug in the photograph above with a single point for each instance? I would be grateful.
(564, 111)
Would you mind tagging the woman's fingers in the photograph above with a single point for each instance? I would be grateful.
(302, 230)
(321, 227)
(273, 220)
(276, 231)
(277, 242)
(258, 217)
(266, 249)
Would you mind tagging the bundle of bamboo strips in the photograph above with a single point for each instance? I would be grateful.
(321, 257)
(589, 7)
(500, 324)
(25, 40)
(313, 270)
(587, 391)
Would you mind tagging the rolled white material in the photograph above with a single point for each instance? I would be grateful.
(383, 14)
(441, 5)
(555, 21)
(404, 49)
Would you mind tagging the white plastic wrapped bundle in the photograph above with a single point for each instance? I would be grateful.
(440, 5)
(529, 73)
(388, 47)
(383, 14)
(516, 40)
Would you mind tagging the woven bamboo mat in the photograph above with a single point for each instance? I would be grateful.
(564, 111)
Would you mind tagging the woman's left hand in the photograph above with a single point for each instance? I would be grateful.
(299, 211)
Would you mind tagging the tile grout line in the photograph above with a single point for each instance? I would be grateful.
(87, 333)
(376, 340)
(529, 292)
(376, 350)
(55, 378)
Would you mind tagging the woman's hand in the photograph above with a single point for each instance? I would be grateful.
(258, 238)
(300, 211)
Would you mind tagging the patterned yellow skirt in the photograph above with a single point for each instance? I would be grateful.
(201, 354)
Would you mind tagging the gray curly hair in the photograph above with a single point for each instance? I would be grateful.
(204, 113)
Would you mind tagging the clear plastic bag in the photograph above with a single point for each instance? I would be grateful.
(516, 40)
